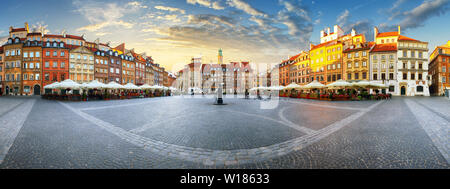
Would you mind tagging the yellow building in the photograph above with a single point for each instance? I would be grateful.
(326, 58)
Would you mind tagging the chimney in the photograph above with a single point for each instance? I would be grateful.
(375, 33)
(353, 32)
(335, 29)
(322, 33)
(311, 46)
(328, 31)
(399, 30)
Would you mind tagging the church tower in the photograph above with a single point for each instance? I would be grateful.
(220, 57)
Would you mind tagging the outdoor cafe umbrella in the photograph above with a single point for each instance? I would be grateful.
(313, 85)
(362, 84)
(339, 84)
(276, 88)
(292, 86)
(51, 86)
(378, 85)
(131, 86)
(113, 85)
(145, 86)
(95, 85)
(68, 84)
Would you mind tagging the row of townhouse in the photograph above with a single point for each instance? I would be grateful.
(236, 77)
(392, 59)
(31, 60)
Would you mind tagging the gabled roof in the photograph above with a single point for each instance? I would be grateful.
(387, 47)
(18, 29)
(322, 44)
(74, 37)
(387, 34)
(404, 38)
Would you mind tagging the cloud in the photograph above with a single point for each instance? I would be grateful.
(210, 19)
(102, 15)
(169, 17)
(170, 9)
(241, 5)
(102, 33)
(296, 18)
(342, 19)
(419, 15)
(207, 3)
(137, 4)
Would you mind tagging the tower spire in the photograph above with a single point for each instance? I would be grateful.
(220, 57)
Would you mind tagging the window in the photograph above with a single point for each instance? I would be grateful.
(62, 54)
(356, 75)
(356, 64)
(443, 79)
(419, 76)
(25, 65)
(364, 64)
(349, 55)
(391, 76)
(413, 54)
(357, 54)
(349, 65)
(63, 64)
(443, 69)
(364, 53)
(38, 54)
(349, 76)
(25, 54)
(391, 88)
(419, 89)
(84, 57)
(79, 57)
(55, 53)
(55, 64)
(31, 65)
(420, 54)
(111, 70)
(374, 57)
(375, 77)
(405, 76)
(25, 76)
(364, 75)
(405, 53)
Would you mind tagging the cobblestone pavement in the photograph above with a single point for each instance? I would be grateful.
(187, 132)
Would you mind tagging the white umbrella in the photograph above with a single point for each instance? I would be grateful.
(339, 84)
(173, 88)
(131, 86)
(362, 84)
(113, 85)
(95, 85)
(145, 86)
(378, 85)
(293, 86)
(314, 85)
(276, 88)
(68, 84)
(51, 86)
(156, 87)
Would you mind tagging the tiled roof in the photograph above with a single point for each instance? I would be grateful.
(52, 35)
(322, 44)
(18, 29)
(387, 34)
(385, 47)
(31, 34)
(404, 38)
(74, 37)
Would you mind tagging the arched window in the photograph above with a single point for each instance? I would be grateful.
(61, 45)
(17, 40)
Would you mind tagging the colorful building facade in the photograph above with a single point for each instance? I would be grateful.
(439, 69)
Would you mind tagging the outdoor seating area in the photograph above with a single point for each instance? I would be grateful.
(69, 90)
(338, 91)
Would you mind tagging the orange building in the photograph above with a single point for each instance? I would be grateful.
(439, 69)
(356, 61)
(13, 64)
(31, 66)
(283, 71)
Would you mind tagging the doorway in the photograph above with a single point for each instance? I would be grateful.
(37, 90)
(403, 91)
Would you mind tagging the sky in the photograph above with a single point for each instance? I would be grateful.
(259, 31)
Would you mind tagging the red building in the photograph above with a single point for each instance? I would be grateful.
(55, 58)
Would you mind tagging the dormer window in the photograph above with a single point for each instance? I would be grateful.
(55, 44)
(61, 44)
(17, 40)
(48, 44)
(9, 41)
